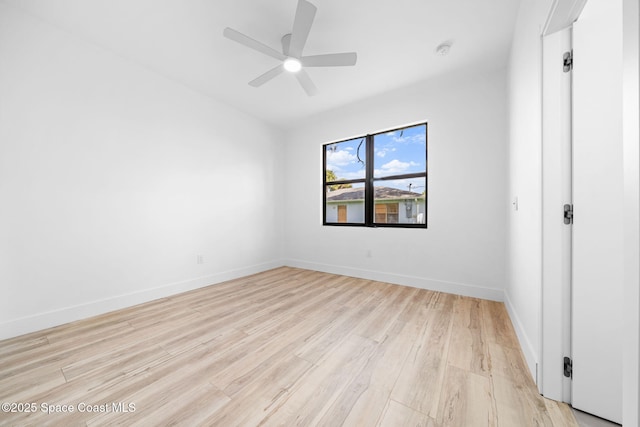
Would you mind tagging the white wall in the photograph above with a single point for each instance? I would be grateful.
(522, 296)
(463, 249)
(113, 179)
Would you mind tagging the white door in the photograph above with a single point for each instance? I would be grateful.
(597, 286)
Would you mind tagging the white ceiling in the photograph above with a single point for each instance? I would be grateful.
(395, 41)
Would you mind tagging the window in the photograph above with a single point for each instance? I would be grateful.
(377, 180)
(386, 213)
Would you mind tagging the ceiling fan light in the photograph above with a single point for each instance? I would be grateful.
(292, 65)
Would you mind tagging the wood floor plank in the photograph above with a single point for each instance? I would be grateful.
(398, 415)
(497, 324)
(308, 402)
(418, 307)
(157, 401)
(58, 354)
(132, 357)
(235, 376)
(13, 346)
(283, 347)
(517, 398)
(24, 386)
(368, 408)
(560, 414)
(395, 299)
(393, 351)
(420, 383)
(295, 305)
(193, 409)
(467, 313)
(379, 373)
(253, 405)
(468, 348)
(363, 401)
(314, 349)
(513, 408)
(466, 400)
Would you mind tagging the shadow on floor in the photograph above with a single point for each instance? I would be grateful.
(588, 420)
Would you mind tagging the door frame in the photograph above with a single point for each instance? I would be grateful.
(631, 177)
(556, 236)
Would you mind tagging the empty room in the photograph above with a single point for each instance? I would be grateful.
(309, 212)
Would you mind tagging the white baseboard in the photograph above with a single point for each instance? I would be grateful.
(36, 322)
(525, 342)
(399, 279)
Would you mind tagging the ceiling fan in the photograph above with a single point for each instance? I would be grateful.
(292, 47)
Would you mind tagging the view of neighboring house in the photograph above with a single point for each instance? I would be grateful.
(392, 206)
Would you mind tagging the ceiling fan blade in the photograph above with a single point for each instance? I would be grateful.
(306, 83)
(305, 13)
(274, 72)
(330, 60)
(236, 36)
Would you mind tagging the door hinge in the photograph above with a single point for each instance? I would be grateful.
(567, 61)
(568, 214)
(568, 367)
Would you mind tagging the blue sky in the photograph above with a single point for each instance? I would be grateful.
(397, 152)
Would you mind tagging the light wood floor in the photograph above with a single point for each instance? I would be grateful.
(285, 347)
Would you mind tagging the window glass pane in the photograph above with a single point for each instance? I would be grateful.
(400, 152)
(346, 160)
(345, 204)
(400, 201)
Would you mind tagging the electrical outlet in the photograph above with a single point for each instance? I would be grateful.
(369, 254)
(200, 259)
